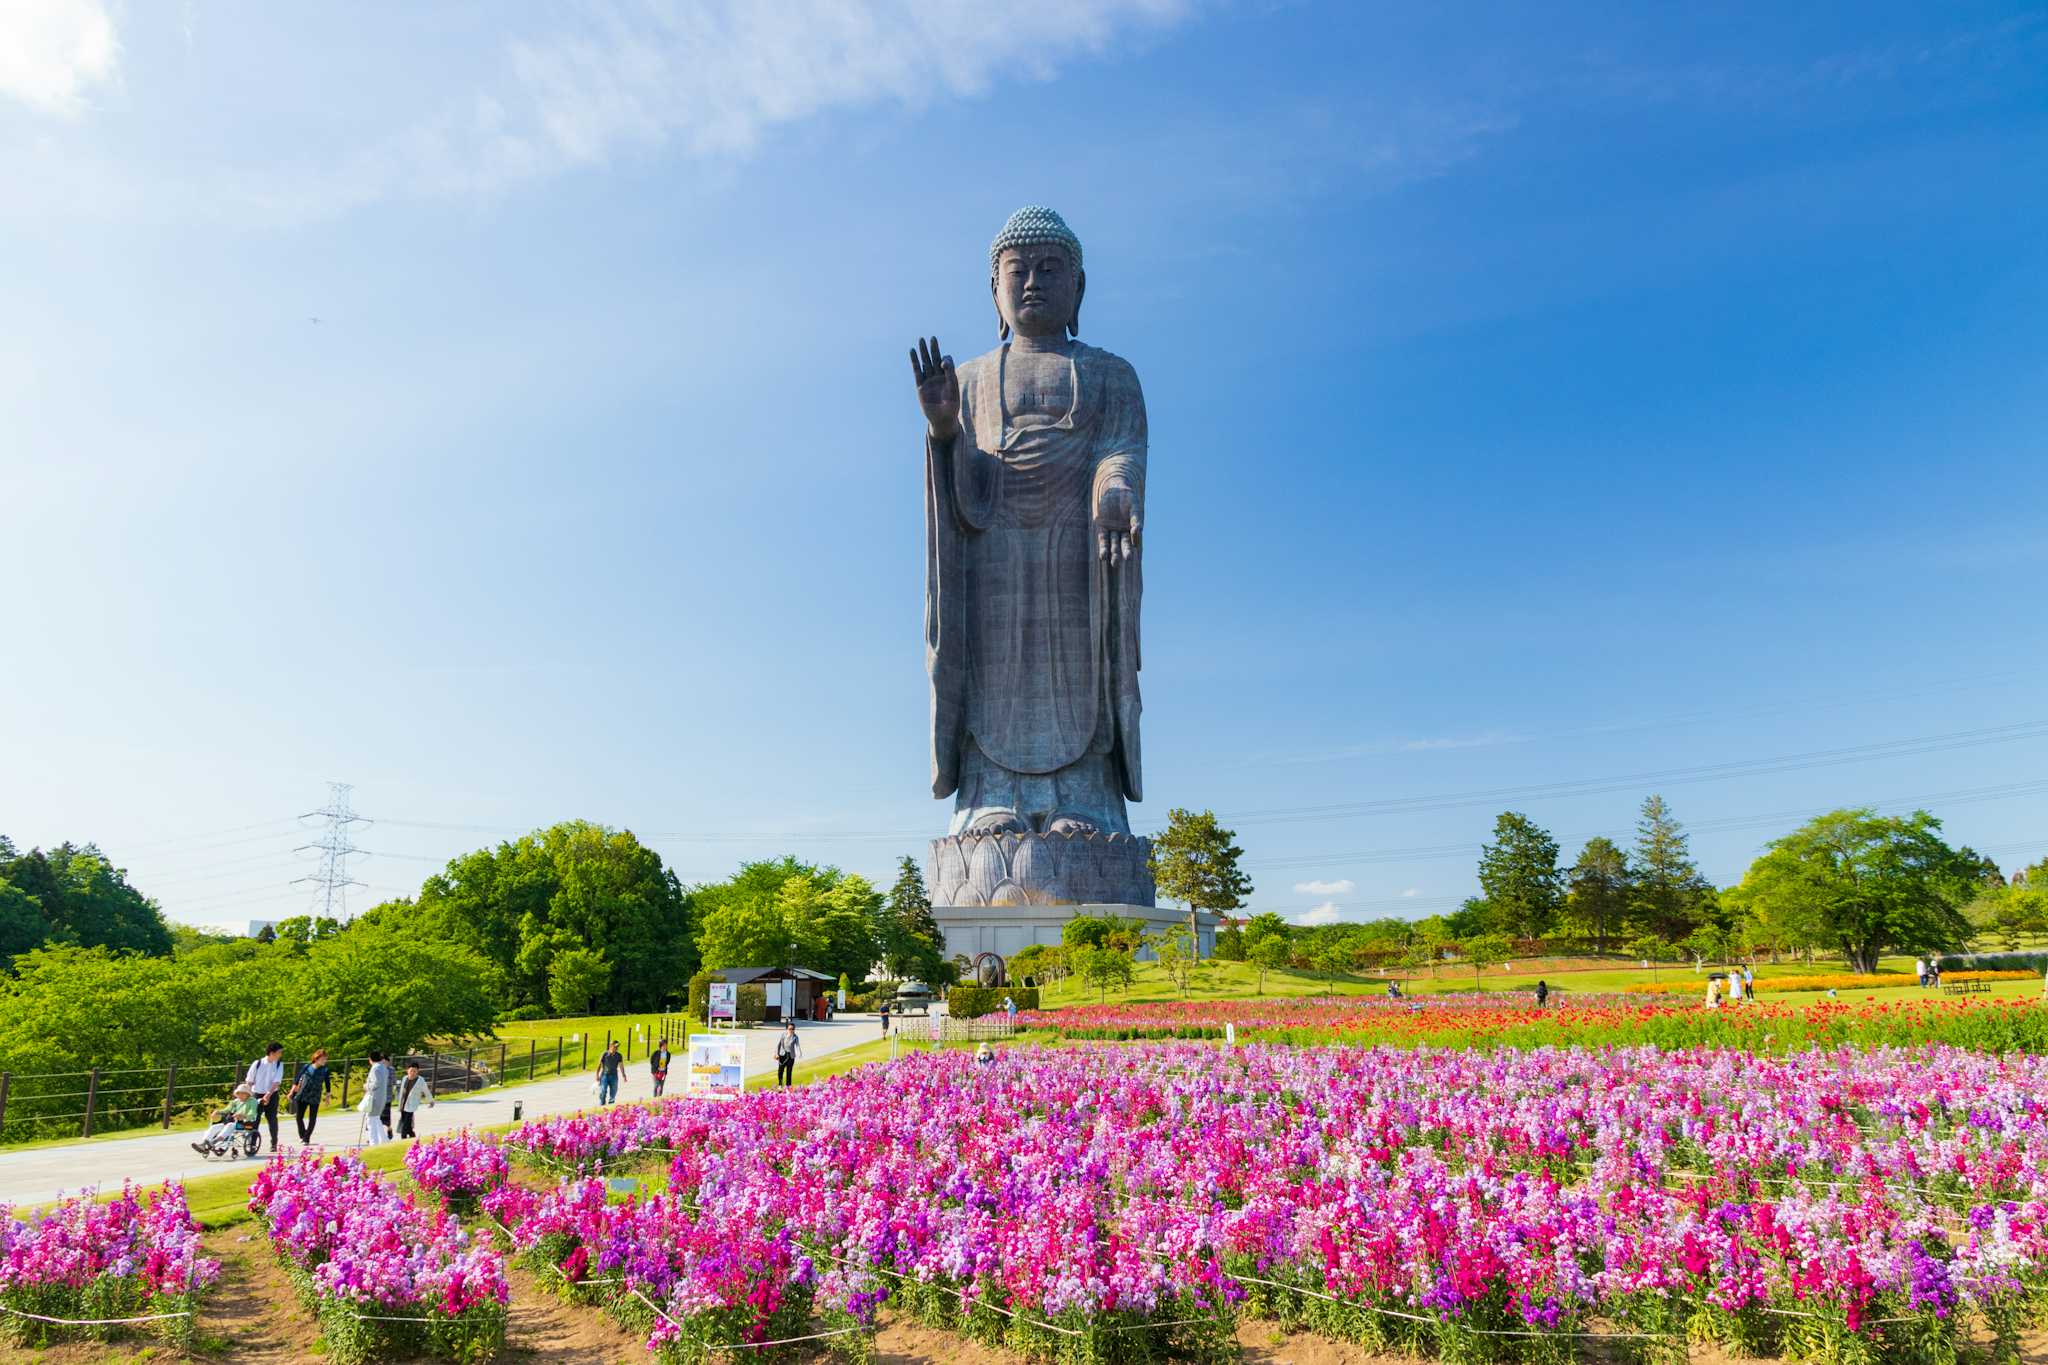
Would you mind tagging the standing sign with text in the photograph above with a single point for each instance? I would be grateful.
(718, 1066)
(725, 1002)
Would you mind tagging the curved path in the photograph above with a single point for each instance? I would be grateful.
(37, 1175)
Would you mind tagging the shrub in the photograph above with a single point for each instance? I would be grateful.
(522, 1014)
(971, 1002)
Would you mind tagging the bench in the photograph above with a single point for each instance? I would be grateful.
(1966, 988)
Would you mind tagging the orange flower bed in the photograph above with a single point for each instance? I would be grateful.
(1826, 981)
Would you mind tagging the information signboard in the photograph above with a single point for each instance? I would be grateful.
(725, 1002)
(718, 1066)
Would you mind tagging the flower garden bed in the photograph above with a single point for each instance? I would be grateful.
(386, 1278)
(1097, 1204)
(103, 1271)
(1513, 1020)
(460, 1168)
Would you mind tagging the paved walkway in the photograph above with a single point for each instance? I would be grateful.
(39, 1174)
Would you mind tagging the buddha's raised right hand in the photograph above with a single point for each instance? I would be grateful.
(938, 388)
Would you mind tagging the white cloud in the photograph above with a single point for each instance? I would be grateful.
(712, 79)
(53, 51)
(1411, 891)
(1326, 913)
(1479, 741)
(1337, 888)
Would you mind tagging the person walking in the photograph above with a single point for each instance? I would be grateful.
(376, 1105)
(608, 1072)
(1748, 982)
(309, 1088)
(1920, 972)
(413, 1092)
(657, 1066)
(787, 1048)
(265, 1079)
(1010, 1009)
(885, 1019)
(1542, 994)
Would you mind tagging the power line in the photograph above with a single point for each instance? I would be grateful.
(331, 882)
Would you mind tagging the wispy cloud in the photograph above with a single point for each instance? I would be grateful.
(54, 51)
(708, 79)
(1319, 888)
(1326, 913)
(1411, 893)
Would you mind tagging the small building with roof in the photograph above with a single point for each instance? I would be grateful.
(791, 992)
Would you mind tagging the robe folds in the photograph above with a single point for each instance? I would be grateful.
(1031, 637)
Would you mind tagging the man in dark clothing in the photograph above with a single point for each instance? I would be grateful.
(787, 1048)
(1542, 994)
(608, 1073)
(657, 1064)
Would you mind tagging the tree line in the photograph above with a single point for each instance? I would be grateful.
(1851, 882)
(573, 919)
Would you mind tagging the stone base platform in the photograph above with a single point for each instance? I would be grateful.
(1004, 929)
(1024, 868)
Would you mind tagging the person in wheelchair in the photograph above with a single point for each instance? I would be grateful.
(233, 1127)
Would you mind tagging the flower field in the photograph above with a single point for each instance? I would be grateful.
(1833, 981)
(1512, 1019)
(385, 1277)
(130, 1258)
(1099, 1204)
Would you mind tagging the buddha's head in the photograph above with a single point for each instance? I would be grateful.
(1035, 274)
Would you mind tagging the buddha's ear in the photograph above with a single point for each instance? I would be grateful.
(1080, 291)
(1002, 324)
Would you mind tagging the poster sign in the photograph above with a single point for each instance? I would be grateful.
(938, 1023)
(788, 999)
(1229, 1034)
(718, 1066)
(725, 1001)
(841, 1007)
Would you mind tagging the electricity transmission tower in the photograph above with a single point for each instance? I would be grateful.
(331, 883)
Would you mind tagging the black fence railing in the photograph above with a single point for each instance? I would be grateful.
(37, 1105)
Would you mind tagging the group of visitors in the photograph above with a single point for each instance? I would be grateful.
(257, 1098)
(1927, 971)
(1738, 985)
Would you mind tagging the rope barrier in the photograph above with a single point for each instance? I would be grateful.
(94, 1322)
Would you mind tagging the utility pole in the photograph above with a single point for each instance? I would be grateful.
(331, 883)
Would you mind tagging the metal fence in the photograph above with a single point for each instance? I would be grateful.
(54, 1104)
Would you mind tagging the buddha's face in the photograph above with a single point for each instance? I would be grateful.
(1037, 289)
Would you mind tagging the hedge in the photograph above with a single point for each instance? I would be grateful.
(971, 1002)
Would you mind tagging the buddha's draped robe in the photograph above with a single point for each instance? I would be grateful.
(1031, 636)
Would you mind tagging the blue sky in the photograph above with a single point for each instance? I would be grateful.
(507, 412)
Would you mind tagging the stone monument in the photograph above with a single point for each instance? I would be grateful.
(1034, 513)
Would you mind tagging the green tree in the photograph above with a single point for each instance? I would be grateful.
(1230, 944)
(1195, 861)
(764, 931)
(573, 884)
(1665, 893)
(1596, 907)
(1175, 951)
(1265, 924)
(1483, 951)
(1518, 877)
(1102, 966)
(1271, 953)
(912, 947)
(80, 898)
(1877, 883)
(576, 977)
(1651, 949)
(1435, 934)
